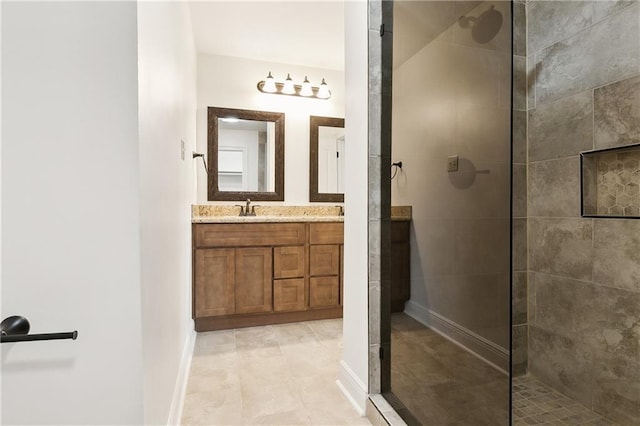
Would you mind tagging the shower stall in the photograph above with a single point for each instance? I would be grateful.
(518, 126)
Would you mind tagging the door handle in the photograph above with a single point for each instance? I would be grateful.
(16, 329)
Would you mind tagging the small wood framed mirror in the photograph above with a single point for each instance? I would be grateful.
(326, 160)
(246, 155)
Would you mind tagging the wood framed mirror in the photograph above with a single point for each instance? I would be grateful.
(246, 155)
(326, 159)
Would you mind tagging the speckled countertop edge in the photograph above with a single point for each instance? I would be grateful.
(209, 213)
(270, 219)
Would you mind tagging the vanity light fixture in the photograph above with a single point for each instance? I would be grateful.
(288, 88)
(269, 85)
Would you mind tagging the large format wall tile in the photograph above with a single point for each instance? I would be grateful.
(561, 363)
(566, 307)
(519, 244)
(561, 246)
(519, 137)
(616, 251)
(562, 128)
(519, 298)
(616, 388)
(519, 29)
(519, 83)
(519, 348)
(617, 113)
(605, 52)
(554, 188)
(552, 21)
(519, 181)
(606, 8)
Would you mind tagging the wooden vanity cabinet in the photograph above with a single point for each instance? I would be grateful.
(400, 265)
(325, 240)
(248, 274)
(214, 282)
(253, 291)
(289, 289)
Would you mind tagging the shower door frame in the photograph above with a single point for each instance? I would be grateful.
(380, 91)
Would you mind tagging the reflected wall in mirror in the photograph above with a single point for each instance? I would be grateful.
(326, 160)
(246, 155)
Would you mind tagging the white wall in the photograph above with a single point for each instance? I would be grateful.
(354, 365)
(167, 107)
(230, 82)
(70, 219)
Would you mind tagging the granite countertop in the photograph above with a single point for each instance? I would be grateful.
(230, 214)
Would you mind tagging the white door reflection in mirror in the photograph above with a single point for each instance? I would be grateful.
(232, 166)
(330, 159)
(246, 153)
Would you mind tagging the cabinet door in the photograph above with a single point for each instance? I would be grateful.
(400, 276)
(324, 260)
(323, 292)
(253, 280)
(289, 295)
(214, 282)
(288, 262)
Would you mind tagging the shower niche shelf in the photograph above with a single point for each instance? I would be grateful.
(610, 182)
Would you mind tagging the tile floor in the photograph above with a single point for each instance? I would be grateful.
(534, 403)
(278, 374)
(441, 384)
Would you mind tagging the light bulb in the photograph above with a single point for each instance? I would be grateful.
(323, 91)
(288, 88)
(269, 85)
(306, 88)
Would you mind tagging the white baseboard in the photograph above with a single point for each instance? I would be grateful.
(177, 402)
(484, 349)
(353, 389)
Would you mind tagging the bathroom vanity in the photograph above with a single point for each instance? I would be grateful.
(283, 265)
(266, 270)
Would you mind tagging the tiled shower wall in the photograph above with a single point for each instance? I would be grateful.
(519, 324)
(583, 280)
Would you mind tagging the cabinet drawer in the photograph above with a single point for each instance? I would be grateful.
(248, 234)
(326, 233)
(324, 260)
(323, 292)
(288, 262)
(289, 295)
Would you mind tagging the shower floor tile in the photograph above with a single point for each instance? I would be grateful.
(534, 403)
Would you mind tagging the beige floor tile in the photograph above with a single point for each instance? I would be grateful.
(275, 398)
(278, 375)
(332, 416)
(298, 332)
(297, 417)
(226, 379)
(202, 364)
(309, 360)
(211, 342)
(320, 391)
(212, 408)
